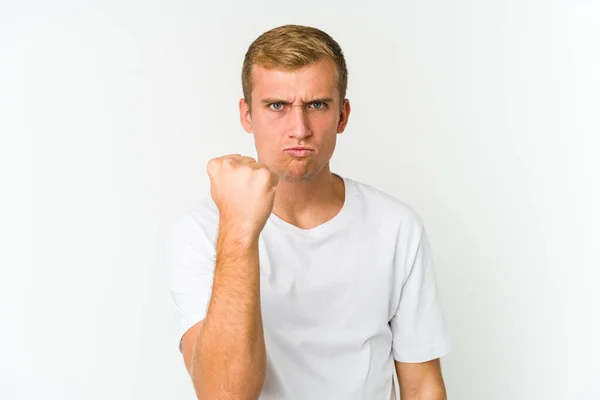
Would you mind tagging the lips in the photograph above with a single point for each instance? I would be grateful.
(298, 151)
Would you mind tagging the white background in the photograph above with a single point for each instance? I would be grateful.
(482, 115)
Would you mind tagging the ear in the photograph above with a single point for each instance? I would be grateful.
(344, 115)
(245, 116)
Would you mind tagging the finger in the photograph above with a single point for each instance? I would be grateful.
(274, 177)
(233, 155)
(247, 160)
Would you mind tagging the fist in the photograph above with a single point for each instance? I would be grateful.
(244, 192)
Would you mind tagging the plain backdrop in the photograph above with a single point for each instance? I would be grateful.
(482, 115)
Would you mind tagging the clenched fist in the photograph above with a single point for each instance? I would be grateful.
(244, 192)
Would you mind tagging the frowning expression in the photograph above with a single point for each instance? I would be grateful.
(295, 117)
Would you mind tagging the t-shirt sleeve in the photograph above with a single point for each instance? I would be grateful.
(190, 262)
(419, 331)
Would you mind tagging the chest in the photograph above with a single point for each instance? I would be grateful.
(336, 283)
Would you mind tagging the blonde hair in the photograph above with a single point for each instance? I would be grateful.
(290, 47)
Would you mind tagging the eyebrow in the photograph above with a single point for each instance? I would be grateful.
(272, 100)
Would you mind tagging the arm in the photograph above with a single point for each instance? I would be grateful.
(420, 335)
(421, 381)
(225, 353)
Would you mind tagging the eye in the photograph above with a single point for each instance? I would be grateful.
(276, 106)
(317, 105)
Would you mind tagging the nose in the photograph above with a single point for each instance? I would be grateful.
(299, 128)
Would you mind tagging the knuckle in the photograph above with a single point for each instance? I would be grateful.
(229, 162)
(210, 165)
(264, 173)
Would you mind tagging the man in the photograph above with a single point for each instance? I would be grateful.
(292, 282)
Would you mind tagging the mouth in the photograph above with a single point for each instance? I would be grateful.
(298, 151)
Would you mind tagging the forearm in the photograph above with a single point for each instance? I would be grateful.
(229, 358)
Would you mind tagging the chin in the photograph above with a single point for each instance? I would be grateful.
(298, 175)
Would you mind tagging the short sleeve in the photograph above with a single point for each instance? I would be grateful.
(190, 263)
(419, 331)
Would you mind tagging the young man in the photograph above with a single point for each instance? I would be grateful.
(292, 282)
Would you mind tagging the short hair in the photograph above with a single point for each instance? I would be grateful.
(290, 47)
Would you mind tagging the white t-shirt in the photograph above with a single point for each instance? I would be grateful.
(340, 302)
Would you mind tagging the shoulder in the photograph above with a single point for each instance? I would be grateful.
(200, 221)
(203, 212)
(382, 206)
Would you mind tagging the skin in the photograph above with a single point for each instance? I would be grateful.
(299, 108)
(225, 353)
(421, 381)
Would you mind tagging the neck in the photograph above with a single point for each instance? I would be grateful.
(318, 197)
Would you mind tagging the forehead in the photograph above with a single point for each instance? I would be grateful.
(319, 78)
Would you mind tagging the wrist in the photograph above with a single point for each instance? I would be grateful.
(240, 236)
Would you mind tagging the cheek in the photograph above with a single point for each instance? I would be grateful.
(263, 141)
(267, 144)
(325, 123)
(329, 144)
(266, 127)
(325, 128)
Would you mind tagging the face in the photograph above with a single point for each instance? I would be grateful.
(295, 118)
